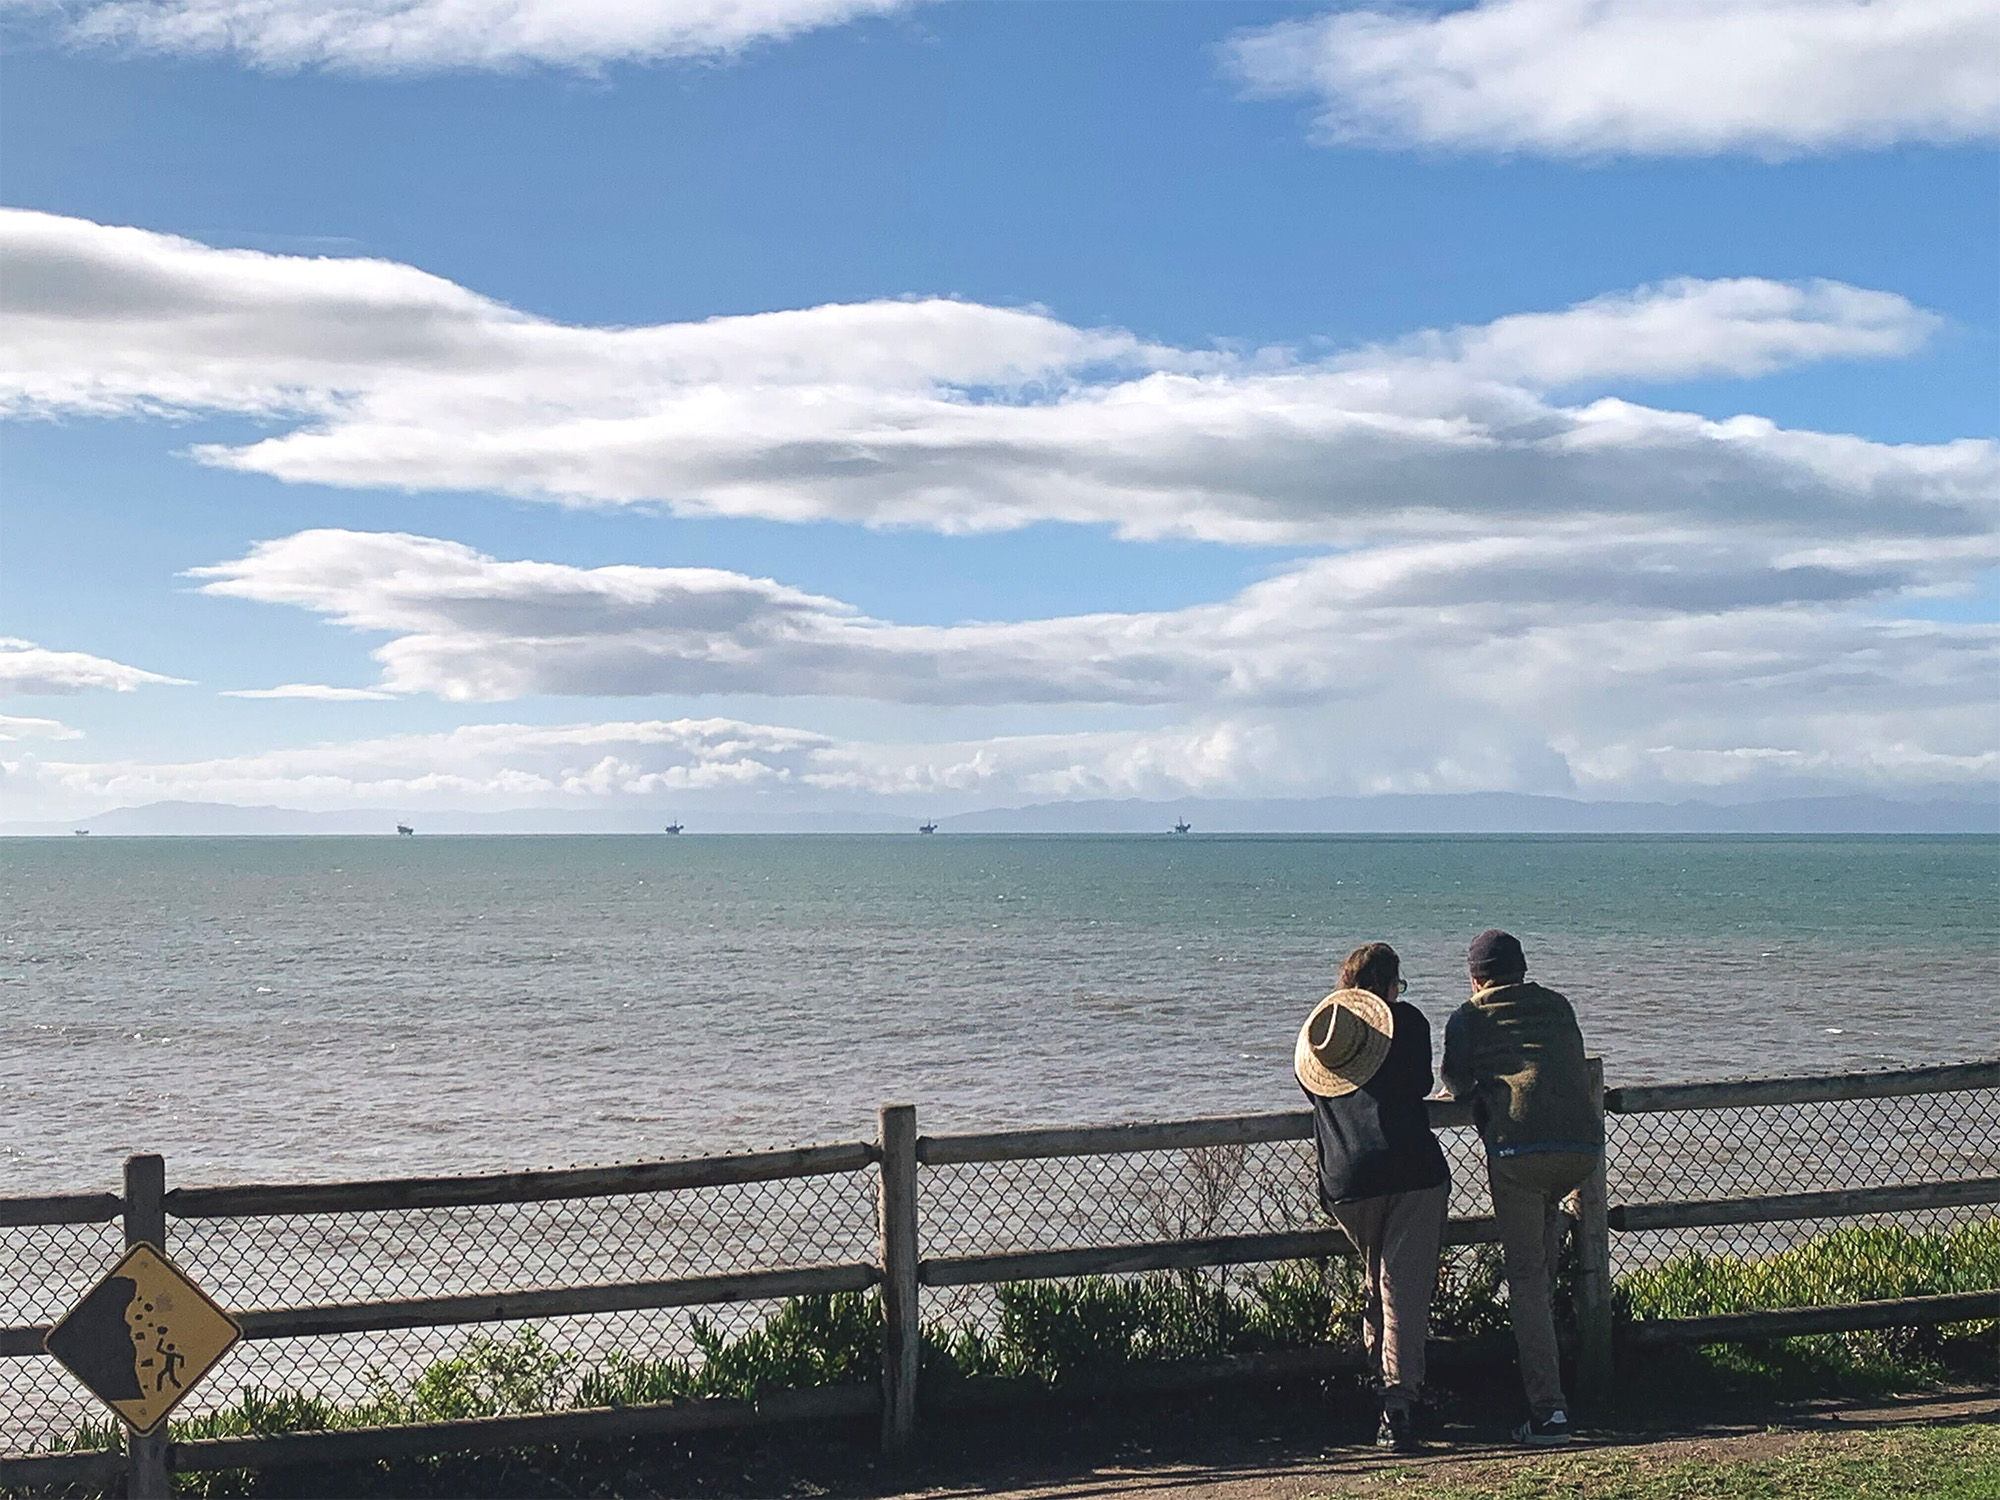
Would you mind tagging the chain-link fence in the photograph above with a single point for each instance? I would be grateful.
(1042, 1203)
(315, 1259)
(295, 1259)
(1833, 1146)
(308, 1259)
(1065, 1202)
(1133, 1197)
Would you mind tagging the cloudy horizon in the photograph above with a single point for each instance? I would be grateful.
(1712, 519)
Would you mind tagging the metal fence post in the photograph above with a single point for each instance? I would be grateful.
(146, 1476)
(1593, 1265)
(901, 1333)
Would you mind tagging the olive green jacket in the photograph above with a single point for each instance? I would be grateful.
(1516, 1052)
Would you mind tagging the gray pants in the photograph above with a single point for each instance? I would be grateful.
(1527, 1206)
(1397, 1235)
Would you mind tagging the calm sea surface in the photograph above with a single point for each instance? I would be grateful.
(278, 1008)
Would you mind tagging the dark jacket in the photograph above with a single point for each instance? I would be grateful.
(1515, 1051)
(1378, 1139)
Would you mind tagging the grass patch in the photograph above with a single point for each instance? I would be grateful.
(1055, 1332)
(1860, 1263)
(807, 1343)
(1935, 1463)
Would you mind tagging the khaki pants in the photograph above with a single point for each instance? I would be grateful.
(1527, 1205)
(1397, 1235)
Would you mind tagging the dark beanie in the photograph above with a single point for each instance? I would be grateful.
(1494, 954)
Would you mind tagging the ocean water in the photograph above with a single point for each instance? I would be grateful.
(262, 1009)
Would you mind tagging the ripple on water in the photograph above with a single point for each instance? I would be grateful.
(457, 1003)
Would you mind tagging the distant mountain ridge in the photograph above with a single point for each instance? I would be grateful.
(1473, 812)
(1489, 812)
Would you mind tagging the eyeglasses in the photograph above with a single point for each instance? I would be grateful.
(1402, 986)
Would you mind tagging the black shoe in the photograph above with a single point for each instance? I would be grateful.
(1397, 1433)
(1539, 1433)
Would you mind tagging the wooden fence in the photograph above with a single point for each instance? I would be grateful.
(899, 1158)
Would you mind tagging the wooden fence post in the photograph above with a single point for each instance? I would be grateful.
(1593, 1267)
(901, 1328)
(146, 1476)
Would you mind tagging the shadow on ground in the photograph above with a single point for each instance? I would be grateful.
(1303, 1438)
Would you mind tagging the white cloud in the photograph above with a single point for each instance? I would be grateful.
(476, 765)
(15, 727)
(726, 763)
(104, 318)
(426, 36)
(1599, 612)
(316, 691)
(30, 670)
(1656, 662)
(1684, 328)
(957, 417)
(1640, 77)
(1538, 584)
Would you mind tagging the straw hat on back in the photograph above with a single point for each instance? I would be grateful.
(1343, 1042)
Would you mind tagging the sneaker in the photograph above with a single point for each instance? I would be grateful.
(1398, 1433)
(1550, 1432)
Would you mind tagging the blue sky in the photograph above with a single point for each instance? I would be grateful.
(1115, 168)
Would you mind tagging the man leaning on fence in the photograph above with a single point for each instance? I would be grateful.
(1514, 1049)
(1364, 1059)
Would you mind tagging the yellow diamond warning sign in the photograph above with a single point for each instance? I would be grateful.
(142, 1337)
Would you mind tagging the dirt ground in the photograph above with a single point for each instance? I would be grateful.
(1216, 1454)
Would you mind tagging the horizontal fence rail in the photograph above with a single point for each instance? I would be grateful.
(386, 1195)
(20, 1342)
(466, 1435)
(472, 1433)
(912, 1175)
(554, 1302)
(1113, 1140)
(1167, 1255)
(1844, 1317)
(48, 1471)
(1116, 1140)
(1780, 1207)
(514, 1307)
(60, 1208)
(1826, 1088)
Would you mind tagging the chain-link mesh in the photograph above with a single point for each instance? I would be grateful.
(290, 1260)
(48, 1267)
(1796, 1148)
(1051, 1203)
(1048, 1203)
(1465, 1154)
(294, 1260)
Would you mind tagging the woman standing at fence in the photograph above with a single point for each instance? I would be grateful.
(1364, 1059)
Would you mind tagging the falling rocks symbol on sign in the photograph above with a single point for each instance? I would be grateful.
(95, 1340)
